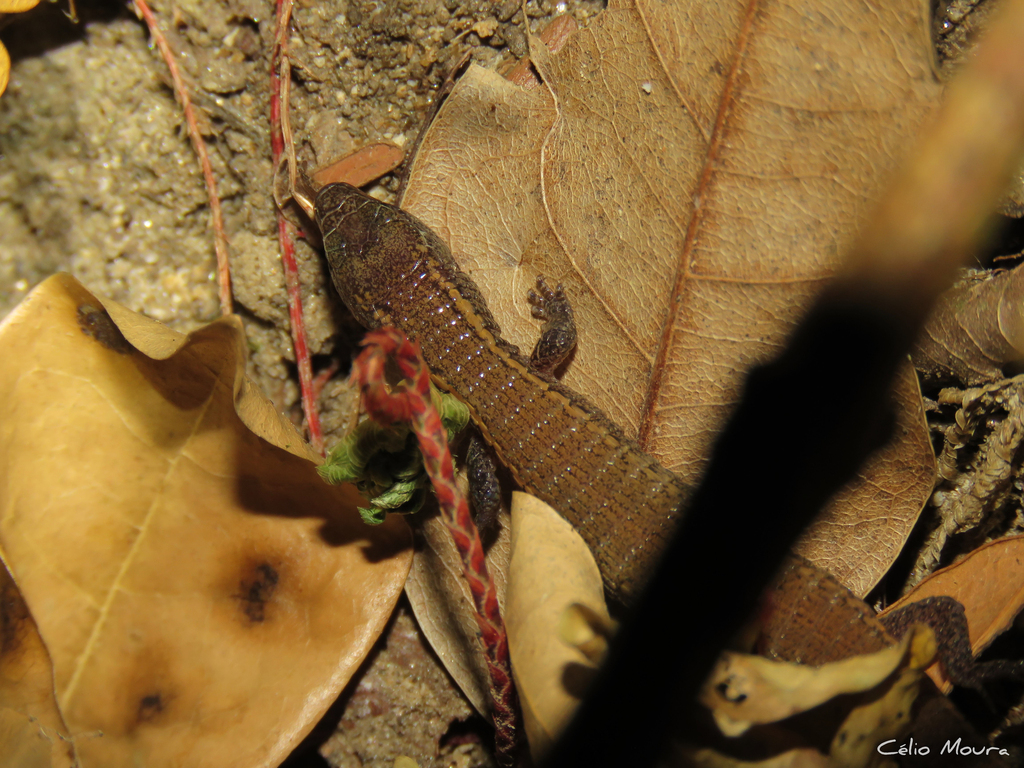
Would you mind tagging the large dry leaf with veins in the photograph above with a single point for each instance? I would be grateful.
(692, 172)
(202, 595)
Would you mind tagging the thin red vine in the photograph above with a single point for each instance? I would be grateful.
(411, 403)
(280, 144)
(220, 239)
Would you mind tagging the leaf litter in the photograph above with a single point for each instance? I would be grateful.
(596, 343)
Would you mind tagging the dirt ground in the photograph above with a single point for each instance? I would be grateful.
(98, 178)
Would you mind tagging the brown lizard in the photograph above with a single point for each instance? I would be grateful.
(391, 269)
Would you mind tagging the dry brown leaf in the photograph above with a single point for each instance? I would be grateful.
(551, 568)
(989, 583)
(554, 36)
(976, 329)
(440, 598)
(852, 538)
(202, 595)
(691, 191)
(361, 167)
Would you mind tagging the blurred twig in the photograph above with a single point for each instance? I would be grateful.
(735, 533)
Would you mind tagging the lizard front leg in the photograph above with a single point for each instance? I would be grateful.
(556, 342)
(558, 334)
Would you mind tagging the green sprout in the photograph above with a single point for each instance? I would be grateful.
(385, 464)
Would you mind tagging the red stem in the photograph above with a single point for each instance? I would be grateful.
(220, 240)
(410, 402)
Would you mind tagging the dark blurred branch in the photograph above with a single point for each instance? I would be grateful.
(809, 419)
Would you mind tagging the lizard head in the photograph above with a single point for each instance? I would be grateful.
(370, 246)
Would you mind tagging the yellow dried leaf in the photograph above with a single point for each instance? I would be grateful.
(587, 631)
(884, 717)
(861, 701)
(17, 6)
(22, 742)
(551, 568)
(5, 68)
(31, 729)
(11, 6)
(203, 596)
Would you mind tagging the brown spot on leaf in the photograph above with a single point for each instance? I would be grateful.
(148, 680)
(96, 324)
(256, 590)
(150, 707)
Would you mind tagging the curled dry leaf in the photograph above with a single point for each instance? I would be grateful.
(550, 570)
(743, 691)
(975, 329)
(587, 631)
(878, 718)
(203, 596)
(989, 583)
(692, 192)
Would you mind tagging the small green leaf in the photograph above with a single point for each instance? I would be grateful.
(385, 462)
(372, 516)
(397, 495)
